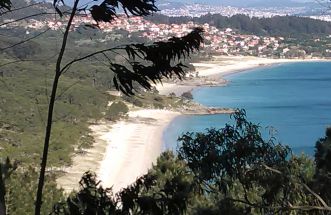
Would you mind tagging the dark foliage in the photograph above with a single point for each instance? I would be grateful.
(106, 11)
(138, 8)
(187, 95)
(6, 169)
(161, 57)
(231, 151)
(323, 152)
(238, 158)
(227, 171)
(91, 199)
(5, 5)
(135, 199)
(323, 166)
(103, 12)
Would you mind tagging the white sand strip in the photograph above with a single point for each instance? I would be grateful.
(133, 146)
(228, 65)
(88, 161)
(122, 152)
(225, 65)
(167, 88)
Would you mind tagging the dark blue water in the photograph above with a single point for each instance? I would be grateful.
(294, 99)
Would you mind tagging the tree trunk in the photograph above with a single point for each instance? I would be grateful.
(46, 146)
(2, 194)
(58, 71)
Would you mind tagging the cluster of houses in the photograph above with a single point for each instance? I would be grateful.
(217, 41)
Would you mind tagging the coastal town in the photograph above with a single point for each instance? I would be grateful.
(197, 10)
(225, 41)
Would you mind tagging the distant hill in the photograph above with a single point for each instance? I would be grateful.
(293, 7)
(250, 3)
(164, 4)
(275, 26)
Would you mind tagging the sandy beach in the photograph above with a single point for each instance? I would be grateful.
(226, 65)
(220, 66)
(122, 151)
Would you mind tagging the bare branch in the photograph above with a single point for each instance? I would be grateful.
(316, 195)
(88, 56)
(20, 8)
(272, 169)
(29, 60)
(26, 40)
(307, 207)
(26, 17)
(66, 89)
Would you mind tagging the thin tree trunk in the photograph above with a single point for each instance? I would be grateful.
(2, 208)
(2, 194)
(46, 146)
(43, 164)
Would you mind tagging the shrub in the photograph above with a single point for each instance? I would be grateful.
(158, 99)
(116, 110)
(187, 95)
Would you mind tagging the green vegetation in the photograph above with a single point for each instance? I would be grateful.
(228, 171)
(316, 46)
(274, 26)
(187, 95)
(21, 188)
(82, 98)
(132, 67)
(154, 100)
(21, 184)
(323, 166)
(23, 101)
(116, 110)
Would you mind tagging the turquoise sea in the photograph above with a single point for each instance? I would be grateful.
(293, 99)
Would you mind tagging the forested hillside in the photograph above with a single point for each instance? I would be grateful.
(275, 26)
(26, 72)
(25, 81)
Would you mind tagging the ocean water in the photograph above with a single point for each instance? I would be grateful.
(294, 100)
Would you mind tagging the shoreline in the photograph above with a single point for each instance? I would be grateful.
(126, 149)
(216, 70)
(122, 151)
